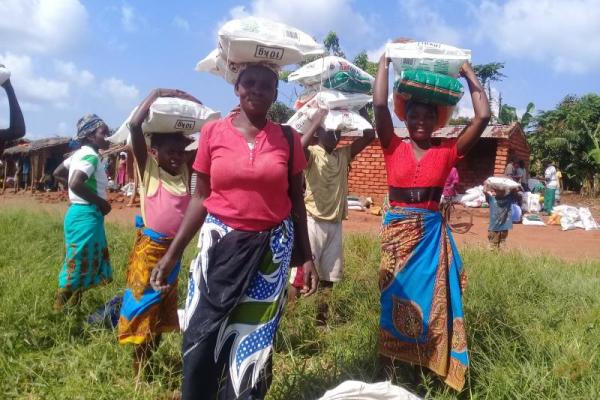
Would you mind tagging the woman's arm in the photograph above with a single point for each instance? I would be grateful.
(192, 221)
(77, 185)
(61, 174)
(16, 128)
(470, 135)
(311, 278)
(383, 118)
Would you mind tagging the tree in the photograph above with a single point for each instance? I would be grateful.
(508, 115)
(332, 44)
(362, 61)
(280, 113)
(570, 136)
(488, 73)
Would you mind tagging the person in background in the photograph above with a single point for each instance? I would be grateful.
(450, 185)
(523, 176)
(122, 170)
(511, 168)
(551, 178)
(87, 262)
(501, 215)
(559, 188)
(16, 127)
(165, 194)
(326, 200)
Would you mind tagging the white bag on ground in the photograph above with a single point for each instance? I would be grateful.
(4, 74)
(587, 219)
(319, 72)
(356, 390)
(429, 56)
(254, 39)
(168, 115)
(531, 203)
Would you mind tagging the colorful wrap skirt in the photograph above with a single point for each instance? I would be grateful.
(146, 312)
(236, 294)
(86, 261)
(421, 281)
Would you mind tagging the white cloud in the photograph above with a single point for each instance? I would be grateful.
(125, 96)
(128, 18)
(41, 26)
(29, 86)
(427, 24)
(69, 71)
(181, 23)
(562, 34)
(62, 128)
(375, 54)
(315, 17)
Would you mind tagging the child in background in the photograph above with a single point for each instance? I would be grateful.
(501, 221)
(165, 194)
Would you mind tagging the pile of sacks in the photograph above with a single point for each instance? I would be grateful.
(336, 84)
(474, 197)
(573, 218)
(427, 72)
(253, 40)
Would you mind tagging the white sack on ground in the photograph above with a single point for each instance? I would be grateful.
(356, 390)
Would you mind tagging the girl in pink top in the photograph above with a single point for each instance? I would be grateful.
(250, 207)
(165, 195)
(421, 276)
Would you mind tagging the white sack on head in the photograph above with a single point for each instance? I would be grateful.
(342, 120)
(168, 115)
(253, 39)
(429, 56)
(501, 183)
(334, 73)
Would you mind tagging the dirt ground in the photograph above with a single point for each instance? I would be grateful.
(574, 245)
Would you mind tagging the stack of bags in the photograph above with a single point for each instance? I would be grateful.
(253, 40)
(336, 84)
(427, 72)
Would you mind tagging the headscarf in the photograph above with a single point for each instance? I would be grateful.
(87, 125)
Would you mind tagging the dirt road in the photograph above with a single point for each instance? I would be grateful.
(575, 245)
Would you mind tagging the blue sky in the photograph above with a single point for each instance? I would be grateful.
(69, 57)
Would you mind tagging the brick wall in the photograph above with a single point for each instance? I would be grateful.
(519, 147)
(516, 146)
(367, 175)
(478, 165)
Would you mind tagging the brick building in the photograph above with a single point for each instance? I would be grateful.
(489, 157)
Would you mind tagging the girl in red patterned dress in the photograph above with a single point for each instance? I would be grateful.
(421, 277)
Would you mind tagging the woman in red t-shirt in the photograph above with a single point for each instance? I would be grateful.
(243, 202)
(421, 276)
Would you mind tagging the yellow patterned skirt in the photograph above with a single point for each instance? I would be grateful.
(146, 312)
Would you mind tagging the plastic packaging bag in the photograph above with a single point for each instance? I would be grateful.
(531, 202)
(334, 73)
(168, 115)
(342, 120)
(427, 56)
(429, 87)
(253, 39)
(587, 219)
(333, 99)
(356, 390)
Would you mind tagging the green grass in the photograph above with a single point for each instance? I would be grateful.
(533, 323)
